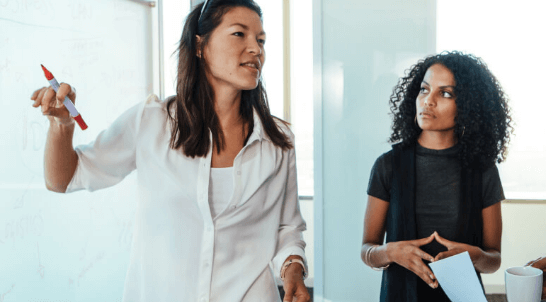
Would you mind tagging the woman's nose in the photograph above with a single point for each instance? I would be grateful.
(254, 47)
(429, 101)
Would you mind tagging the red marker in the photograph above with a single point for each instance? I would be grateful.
(67, 102)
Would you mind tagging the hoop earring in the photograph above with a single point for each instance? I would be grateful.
(462, 134)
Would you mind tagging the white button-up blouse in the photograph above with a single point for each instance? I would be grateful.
(179, 252)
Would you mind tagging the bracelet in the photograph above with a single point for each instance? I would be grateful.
(368, 257)
(287, 264)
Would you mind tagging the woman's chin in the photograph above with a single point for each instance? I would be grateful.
(249, 85)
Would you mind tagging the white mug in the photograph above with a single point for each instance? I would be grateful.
(523, 284)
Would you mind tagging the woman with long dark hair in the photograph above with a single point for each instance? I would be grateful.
(218, 215)
(437, 193)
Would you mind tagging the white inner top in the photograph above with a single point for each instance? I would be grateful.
(220, 189)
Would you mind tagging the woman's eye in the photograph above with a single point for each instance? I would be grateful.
(239, 34)
(423, 90)
(261, 41)
(447, 94)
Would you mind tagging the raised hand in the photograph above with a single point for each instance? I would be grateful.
(51, 103)
(408, 254)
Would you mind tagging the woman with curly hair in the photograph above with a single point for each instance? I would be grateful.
(437, 193)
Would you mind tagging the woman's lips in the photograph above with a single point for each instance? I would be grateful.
(427, 115)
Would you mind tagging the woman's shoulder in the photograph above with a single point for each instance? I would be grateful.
(154, 102)
(383, 165)
(491, 176)
(151, 105)
(379, 184)
(492, 190)
(385, 158)
(143, 114)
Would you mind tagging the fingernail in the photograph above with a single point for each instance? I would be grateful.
(431, 285)
(431, 277)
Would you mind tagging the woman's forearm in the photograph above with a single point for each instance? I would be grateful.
(488, 262)
(60, 159)
(378, 256)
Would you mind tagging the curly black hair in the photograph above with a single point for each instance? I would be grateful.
(483, 122)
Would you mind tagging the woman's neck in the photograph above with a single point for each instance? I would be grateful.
(437, 140)
(227, 106)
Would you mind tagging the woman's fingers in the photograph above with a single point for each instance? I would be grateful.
(48, 100)
(422, 254)
(424, 272)
(441, 256)
(539, 263)
(39, 96)
(425, 256)
(51, 102)
(64, 91)
(442, 240)
(35, 94)
(423, 241)
(35, 97)
(531, 263)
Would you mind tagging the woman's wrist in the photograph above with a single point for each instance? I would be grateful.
(61, 129)
(69, 121)
(293, 263)
(378, 254)
(487, 262)
(387, 250)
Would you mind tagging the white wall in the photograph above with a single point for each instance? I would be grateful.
(363, 48)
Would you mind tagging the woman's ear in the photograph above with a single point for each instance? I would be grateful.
(198, 41)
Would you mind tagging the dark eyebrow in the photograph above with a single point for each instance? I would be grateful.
(447, 86)
(246, 28)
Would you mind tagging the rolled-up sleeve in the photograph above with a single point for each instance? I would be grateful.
(290, 237)
(111, 156)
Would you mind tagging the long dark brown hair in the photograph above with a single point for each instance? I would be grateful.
(191, 112)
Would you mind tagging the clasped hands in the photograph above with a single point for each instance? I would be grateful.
(409, 255)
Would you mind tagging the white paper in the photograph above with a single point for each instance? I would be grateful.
(458, 278)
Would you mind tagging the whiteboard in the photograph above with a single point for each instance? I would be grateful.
(73, 247)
